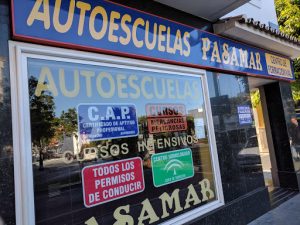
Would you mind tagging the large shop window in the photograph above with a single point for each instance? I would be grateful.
(111, 140)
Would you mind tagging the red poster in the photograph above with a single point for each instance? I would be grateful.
(113, 180)
(166, 117)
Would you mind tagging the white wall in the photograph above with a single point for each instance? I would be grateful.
(261, 10)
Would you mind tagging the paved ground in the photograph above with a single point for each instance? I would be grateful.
(287, 213)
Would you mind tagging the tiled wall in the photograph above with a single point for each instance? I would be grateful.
(240, 164)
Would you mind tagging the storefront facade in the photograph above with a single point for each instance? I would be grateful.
(117, 115)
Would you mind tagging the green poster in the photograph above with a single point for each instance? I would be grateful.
(170, 167)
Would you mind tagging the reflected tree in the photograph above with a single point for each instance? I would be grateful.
(288, 14)
(255, 98)
(68, 121)
(65, 127)
(42, 118)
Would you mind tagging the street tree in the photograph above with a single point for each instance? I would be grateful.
(42, 118)
(288, 14)
(68, 121)
(42, 115)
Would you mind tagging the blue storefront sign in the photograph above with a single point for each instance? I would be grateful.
(108, 27)
(244, 112)
(106, 121)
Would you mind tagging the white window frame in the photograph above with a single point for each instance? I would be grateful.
(23, 173)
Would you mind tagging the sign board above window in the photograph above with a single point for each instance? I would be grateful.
(107, 27)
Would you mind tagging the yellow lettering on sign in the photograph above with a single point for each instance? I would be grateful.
(169, 203)
(169, 48)
(132, 79)
(179, 96)
(162, 88)
(187, 90)
(191, 197)
(35, 13)
(125, 40)
(215, 53)
(97, 35)
(91, 221)
(88, 81)
(196, 90)
(186, 42)
(258, 62)
(145, 80)
(147, 213)
(62, 83)
(205, 189)
(225, 54)
(171, 89)
(113, 26)
(161, 38)
(166, 199)
(138, 22)
(63, 28)
(111, 85)
(243, 58)
(252, 61)
(150, 45)
(279, 66)
(121, 86)
(178, 42)
(122, 219)
(101, 24)
(234, 59)
(205, 47)
(84, 7)
(42, 84)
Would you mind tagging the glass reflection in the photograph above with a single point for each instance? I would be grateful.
(171, 116)
(235, 131)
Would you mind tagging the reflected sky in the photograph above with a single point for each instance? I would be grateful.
(158, 96)
(74, 83)
(235, 85)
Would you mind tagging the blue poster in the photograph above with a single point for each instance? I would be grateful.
(107, 121)
(244, 109)
(244, 112)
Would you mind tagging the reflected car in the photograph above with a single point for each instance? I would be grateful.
(90, 154)
(249, 156)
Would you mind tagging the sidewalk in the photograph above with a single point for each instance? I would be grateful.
(287, 213)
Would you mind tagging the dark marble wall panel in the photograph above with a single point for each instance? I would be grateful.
(238, 212)
(278, 126)
(7, 206)
(237, 146)
(255, 204)
(289, 112)
(281, 109)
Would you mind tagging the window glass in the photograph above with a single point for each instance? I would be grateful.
(112, 144)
